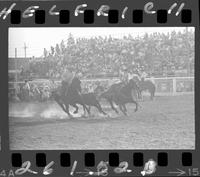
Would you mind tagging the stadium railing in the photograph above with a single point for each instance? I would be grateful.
(164, 86)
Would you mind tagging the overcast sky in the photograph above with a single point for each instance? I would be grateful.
(36, 39)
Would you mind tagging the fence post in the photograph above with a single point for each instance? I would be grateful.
(174, 86)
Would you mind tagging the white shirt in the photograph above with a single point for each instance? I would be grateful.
(144, 75)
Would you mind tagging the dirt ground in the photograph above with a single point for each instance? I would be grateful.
(165, 123)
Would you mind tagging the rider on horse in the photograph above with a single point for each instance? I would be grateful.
(67, 79)
(143, 75)
(123, 75)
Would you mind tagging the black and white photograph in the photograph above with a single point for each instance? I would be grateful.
(80, 88)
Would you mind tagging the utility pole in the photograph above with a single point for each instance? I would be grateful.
(25, 47)
(16, 64)
(15, 53)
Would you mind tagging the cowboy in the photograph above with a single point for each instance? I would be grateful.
(123, 74)
(67, 78)
(26, 90)
(124, 77)
(143, 75)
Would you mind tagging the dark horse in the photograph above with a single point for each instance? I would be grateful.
(90, 99)
(72, 99)
(70, 95)
(121, 94)
(146, 85)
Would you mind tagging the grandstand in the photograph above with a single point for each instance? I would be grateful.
(161, 56)
(158, 54)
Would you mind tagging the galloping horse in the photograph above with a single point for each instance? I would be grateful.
(74, 97)
(146, 85)
(121, 94)
(109, 94)
(71, 97)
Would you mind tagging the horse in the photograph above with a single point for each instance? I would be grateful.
(109, 94)
(70, 97)
(121, 94)
(147, 85)
(89, 99)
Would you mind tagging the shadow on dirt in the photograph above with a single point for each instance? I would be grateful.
(23, 122)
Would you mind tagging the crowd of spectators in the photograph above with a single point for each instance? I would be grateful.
(151, 55)
(157, 54)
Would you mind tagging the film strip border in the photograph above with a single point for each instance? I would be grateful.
(101, 163)
(128, 13)
(89, 159)
(113, 16)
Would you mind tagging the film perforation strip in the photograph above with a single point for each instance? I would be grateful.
(162, 16)
(16, 160)
(187, 159)
(41, 160)
(89, 16)
(64, 17)
(65, 160)
(137, 16)
(40, 16)
(89, 159)
(138, 159)
(114, 160)
(162, 159)
(113, 16)
(186, 16)
(15, 16)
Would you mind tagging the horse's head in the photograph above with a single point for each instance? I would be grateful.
(132, 84)
(136, 79)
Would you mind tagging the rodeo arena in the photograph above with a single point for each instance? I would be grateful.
(103, 92)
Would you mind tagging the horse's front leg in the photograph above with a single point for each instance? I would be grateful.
(123, 111)
(139, 94)
(98, 106)
(112, 106)
(136, 104)
(67, 110)
(76, 108)
(124, 107)
(62, 105)
(85, 108)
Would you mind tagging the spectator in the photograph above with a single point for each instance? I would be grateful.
(151, 55)
(26, 90)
